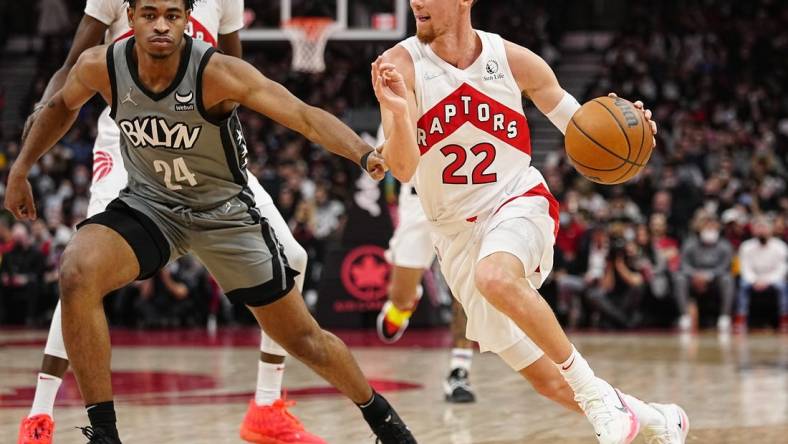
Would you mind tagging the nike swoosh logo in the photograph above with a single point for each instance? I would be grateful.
(432, 76)
(568, 366)
(388, 418)
(622, 409)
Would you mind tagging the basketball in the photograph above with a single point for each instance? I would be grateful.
(608, 140)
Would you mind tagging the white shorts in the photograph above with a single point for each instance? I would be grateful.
(522, 224)
(411, 244)
(109, 175)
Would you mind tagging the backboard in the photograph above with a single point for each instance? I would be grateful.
(355, 19)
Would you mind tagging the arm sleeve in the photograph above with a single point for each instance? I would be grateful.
(101, 10)
(232, 18)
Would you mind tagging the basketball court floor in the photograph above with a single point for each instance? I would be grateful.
(191, 387)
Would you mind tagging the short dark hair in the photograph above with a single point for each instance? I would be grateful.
(188, 4)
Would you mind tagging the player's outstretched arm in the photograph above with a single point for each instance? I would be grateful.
(537, 81)
(393, 82)
(87, 77)
(231, 79)
(90, 33)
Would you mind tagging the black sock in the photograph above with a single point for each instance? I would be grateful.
(376, 410)
(102, 416)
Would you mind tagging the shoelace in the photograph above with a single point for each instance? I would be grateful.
(463, 383)
(36, 429)
(284, 417)
(95, 436)
(594, 407)
(663, 437)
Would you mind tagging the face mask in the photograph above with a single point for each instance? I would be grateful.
(709, 236)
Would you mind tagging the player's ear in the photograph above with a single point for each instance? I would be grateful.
(130, 15)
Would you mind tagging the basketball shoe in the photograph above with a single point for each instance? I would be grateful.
(393, 431)
(457, 387)
(392, 322)
(37, 429)
(97, 436)
(273, 424)
(613, 421)
(676, 426)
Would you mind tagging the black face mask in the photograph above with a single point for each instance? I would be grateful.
(763, 239)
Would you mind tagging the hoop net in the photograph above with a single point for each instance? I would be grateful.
(308, 37)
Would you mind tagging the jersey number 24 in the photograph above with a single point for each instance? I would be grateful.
(182, 173)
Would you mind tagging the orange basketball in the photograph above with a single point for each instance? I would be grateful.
(608, 140)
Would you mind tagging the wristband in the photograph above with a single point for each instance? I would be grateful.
(364, 159)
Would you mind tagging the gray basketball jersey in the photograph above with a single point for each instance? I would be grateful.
(174, 152)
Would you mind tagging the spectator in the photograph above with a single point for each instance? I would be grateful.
(706, 267)
(21, 274)
(764, 263)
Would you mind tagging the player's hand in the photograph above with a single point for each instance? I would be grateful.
(647, 114)
(389, 86)
(19, 197)
(376, 166)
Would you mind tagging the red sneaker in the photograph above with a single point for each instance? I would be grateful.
(37, 429)
(273, 424)
(392, 322)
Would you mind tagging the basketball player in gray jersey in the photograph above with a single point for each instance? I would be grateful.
(175, 101)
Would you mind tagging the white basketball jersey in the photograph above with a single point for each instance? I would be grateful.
(472, 132)
(209, 18)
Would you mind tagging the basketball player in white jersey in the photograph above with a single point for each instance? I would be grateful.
(410, 253)
(451, 99)
(216, 22)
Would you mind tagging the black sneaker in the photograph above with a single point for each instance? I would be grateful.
(393, 431)
(97, 436)
(457, 387)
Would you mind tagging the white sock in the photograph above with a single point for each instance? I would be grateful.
(46, 391)
(647, 416)
(269, 383)
(576, 371)
(461, 358)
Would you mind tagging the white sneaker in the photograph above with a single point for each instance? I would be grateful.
(613, 421)
(675, 429)
(685, 322)
(724, 324)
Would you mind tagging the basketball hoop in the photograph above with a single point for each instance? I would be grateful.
(308, 37)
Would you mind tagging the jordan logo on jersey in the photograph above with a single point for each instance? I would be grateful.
(469, 105)
(153, 132)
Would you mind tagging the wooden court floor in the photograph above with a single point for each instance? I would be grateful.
(190, 388)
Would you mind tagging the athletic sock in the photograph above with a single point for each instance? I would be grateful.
(376, 410)
(269, 382)
(647, 416)
(576, 371)
(46, 391)
(102, 417)
(461, 358)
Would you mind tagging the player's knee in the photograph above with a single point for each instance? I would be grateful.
(495, 284)
(74, 275)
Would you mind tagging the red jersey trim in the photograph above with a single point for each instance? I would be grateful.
(540, 190)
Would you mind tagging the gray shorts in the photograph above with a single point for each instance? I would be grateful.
(233, 241)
